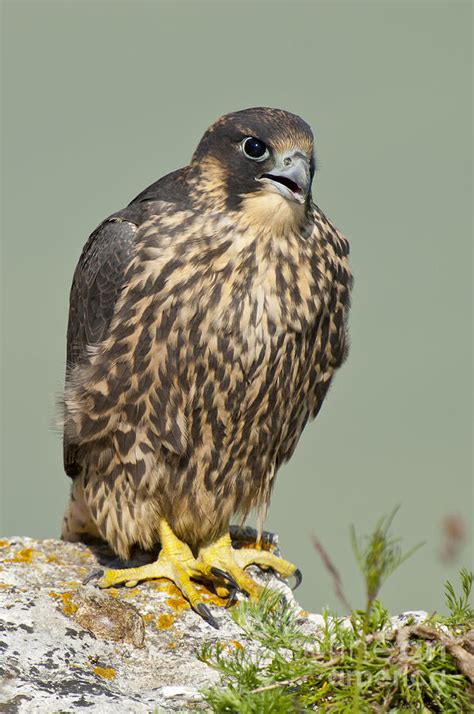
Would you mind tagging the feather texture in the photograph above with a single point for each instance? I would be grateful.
(226, 329)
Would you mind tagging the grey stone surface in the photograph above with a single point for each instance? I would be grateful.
(65, 647)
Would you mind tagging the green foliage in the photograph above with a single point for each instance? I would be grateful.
(378, 556)
(461, 612)
(357, 664)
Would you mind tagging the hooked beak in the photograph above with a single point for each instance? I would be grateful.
(290, 177)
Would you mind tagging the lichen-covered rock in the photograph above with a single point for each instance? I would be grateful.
(65, 647)
(108, 618)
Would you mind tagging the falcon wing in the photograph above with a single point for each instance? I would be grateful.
(97, 283)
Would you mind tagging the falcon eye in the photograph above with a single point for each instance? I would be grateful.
(254, 149)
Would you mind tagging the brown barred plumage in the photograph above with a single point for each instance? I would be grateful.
(207, 320)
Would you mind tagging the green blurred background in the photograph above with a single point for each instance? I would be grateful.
(102, 98)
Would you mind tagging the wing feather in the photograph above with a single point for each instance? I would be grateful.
(97, 284)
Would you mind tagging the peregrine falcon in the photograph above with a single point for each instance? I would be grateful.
(206, 322)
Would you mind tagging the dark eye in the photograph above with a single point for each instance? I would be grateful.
(254, 149)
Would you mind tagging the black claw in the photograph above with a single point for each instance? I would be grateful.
(228, 578)
(95, 575)
(298, 576)
(232, 598)
(203, 610)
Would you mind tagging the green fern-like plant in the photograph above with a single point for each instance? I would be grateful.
(461, 611)
(378, 556)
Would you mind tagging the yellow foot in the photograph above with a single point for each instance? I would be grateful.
(232, 562)
(218, 563)
(176, 563)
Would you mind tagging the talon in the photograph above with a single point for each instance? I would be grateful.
(223, 560)
(298, 576)
(226, 576)
(218, 563)
(95, 575)
(232, 598)
(204, 611)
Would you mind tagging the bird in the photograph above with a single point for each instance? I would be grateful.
(206, 322)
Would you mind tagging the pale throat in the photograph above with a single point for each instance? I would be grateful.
(267, 210)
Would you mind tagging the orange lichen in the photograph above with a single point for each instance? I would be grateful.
(232, 644)
(148, 617)
(4, 543)
(164, 622)
(178, 604)
(69, 607)
(213, 598)
(105, 672)
(52, 559)
(167, 586)
(22, 556)
(4, 586)
(171, 645)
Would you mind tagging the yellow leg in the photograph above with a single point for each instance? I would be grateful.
(176, 563)
(233, 561)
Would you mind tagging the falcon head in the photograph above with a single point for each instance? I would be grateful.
(260, 153)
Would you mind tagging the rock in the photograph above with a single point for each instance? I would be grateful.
(108, 619)
(66, 647)
(410, 617)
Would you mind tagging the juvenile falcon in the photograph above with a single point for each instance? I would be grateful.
(206, 322)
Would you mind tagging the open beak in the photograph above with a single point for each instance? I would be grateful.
(290, 177)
